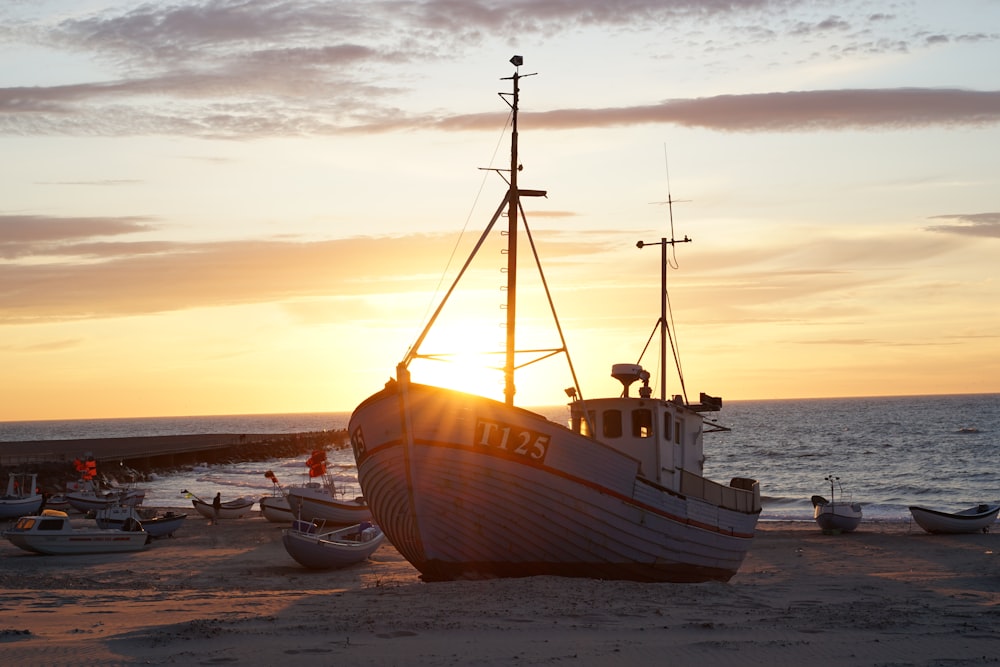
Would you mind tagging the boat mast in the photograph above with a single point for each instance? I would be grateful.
(664, 329)
(513, 204)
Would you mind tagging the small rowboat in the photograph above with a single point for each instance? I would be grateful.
(155, 523)
(972, 520)
(332, 550)
(231, 509)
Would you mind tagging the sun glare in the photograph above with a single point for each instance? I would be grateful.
(470, 372)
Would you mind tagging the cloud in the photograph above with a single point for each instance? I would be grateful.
(776, 112)
(25, 235)
(969, 224)
(233, 69)
(66, 269)
(794, 111)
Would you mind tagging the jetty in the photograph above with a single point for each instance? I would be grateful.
(162, 452)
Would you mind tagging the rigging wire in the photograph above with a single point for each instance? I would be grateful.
(672, 263)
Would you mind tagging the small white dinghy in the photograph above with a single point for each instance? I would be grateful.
(331, 550)
(836, 516)
(231, 509)
(972, 520)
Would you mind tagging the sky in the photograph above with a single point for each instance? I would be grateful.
(242, 207)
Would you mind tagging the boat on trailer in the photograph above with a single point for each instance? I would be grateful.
(465, 486)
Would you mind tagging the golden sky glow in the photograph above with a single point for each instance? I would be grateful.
(217, 207)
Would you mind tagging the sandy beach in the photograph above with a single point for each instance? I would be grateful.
(888, 594)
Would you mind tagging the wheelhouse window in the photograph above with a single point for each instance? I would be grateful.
(612, 424)
(582, 425)
(642, 423)
(667, 421)
(678, 429)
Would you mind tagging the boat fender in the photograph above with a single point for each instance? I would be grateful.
(53, 513)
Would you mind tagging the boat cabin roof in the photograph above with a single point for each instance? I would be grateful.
(44, 523)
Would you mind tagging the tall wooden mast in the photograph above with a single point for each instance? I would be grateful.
(513, 205)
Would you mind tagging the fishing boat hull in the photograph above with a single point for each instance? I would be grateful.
(331, 550)
(474, 488)
(972, 520)
(13, 508)
(88, 502)
(315, 505)
(156, 524)
(232, 509)
(21, 497)
(276, 509)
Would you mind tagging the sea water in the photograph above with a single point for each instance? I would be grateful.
(888, 453)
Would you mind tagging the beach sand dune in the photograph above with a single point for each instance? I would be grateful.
(229, 594)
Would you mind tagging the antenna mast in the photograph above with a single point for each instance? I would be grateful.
(664, 329)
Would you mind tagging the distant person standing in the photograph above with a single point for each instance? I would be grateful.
(216, 508)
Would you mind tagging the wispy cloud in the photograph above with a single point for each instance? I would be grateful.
(70, 268)
(969, 224)
(73, 268)
(27, 235)
(776, 112)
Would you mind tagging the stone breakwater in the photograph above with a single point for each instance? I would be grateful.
(121, 458)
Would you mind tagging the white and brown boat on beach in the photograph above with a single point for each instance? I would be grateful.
(230, 509)
(318, 499)
(53, 533)
(975, 519)
(465, 486)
